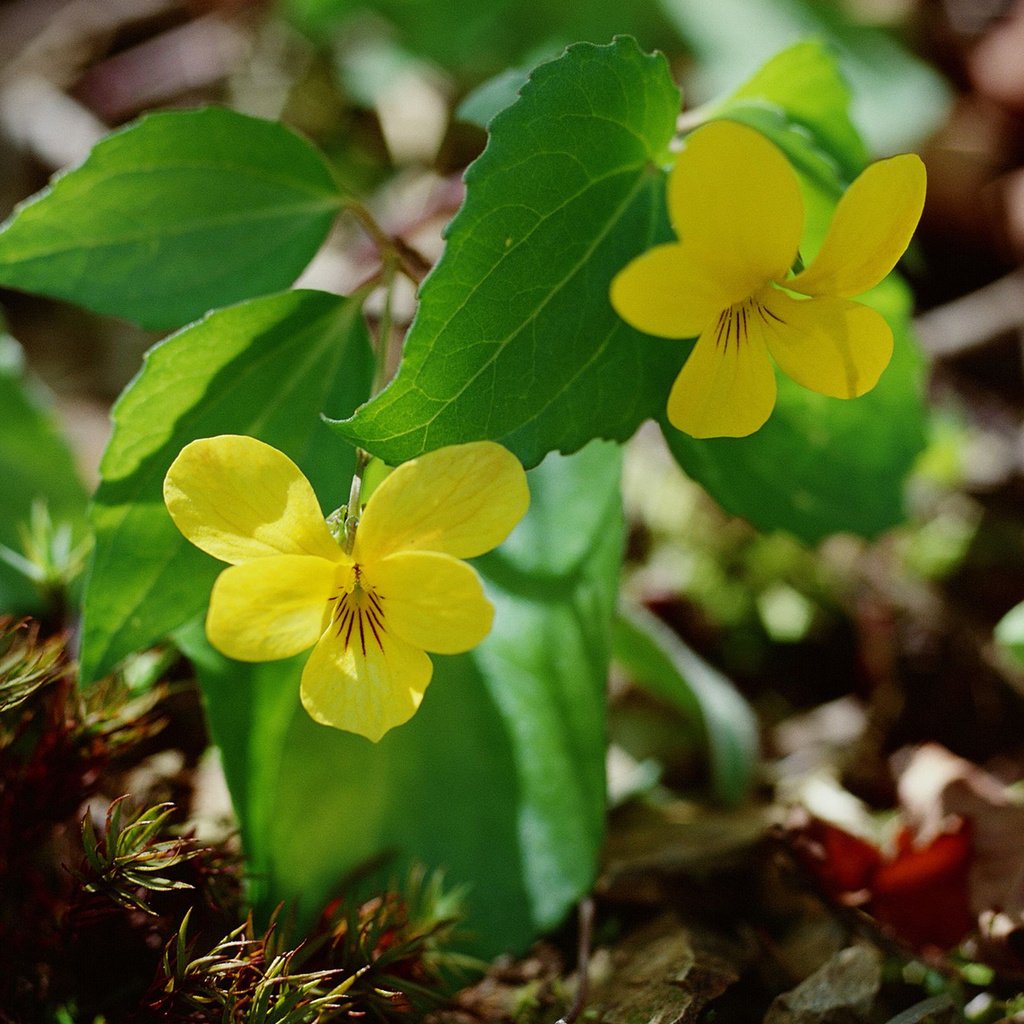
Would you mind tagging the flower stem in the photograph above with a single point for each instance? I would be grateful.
(352, 509)
(381, 374)
(586, 934)
(382, 348)
(395, 255)
(406, 258)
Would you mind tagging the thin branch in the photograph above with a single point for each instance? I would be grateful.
(973, 320)
(412, 263)
(586, 933)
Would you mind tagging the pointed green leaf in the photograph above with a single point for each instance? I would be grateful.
(658, 659)
(176, 214)
(498, 778)
(267, 368)
(898, 99)
(801, 101)
(515, 339)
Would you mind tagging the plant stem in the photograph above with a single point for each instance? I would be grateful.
(406, 258)
(381, 373)
(353, 506)
(382, 349)
(586, 932)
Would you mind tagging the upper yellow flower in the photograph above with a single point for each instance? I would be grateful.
(734, 202)
(373, 612)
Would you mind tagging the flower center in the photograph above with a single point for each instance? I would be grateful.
(733, 324)
(358, 612)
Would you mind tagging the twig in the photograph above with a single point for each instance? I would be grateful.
(973, 320)
(408, 260)
(586, 929)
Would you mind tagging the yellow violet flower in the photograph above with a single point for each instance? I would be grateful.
(371, 614)
(735, 205)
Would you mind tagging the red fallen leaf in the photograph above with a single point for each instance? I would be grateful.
(922, 893)
(958, 867)
(842, 863)
(936, 787)
(919, 893)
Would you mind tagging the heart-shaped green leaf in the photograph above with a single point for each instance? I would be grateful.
(515, 339)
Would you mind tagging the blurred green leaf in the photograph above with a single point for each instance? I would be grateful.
(489, 99)
(35, 465)
(473, 41)
(656, 658)
(515, 339)
(800, 100)
(267, 368)
(898, 100)
(498, 778)
(1010, 633)
(176, 214)
(823, 465)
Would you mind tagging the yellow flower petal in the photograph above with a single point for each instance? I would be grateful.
(463, 500)
(668, 293)
(727, 386)
(870, 230)
(735, 203)
(432, 600)
(364, 693)
(238, 498)
(833, 346)
(270, 608)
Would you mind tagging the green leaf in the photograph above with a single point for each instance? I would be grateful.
(1010, 633)
(35, 465)
(174, 215)
(515, 339)
(498, 778)
(474, 40)
(267, 368)
(800, 100)
(655, 657)
(823, 465)
(898, 99)
(486, 101)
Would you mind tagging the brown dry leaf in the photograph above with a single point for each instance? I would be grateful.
(650, 844)
(660, 975)
(511, 990)
(842, 991)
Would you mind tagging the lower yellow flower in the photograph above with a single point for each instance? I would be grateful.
(371, 613)
(735, 205)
